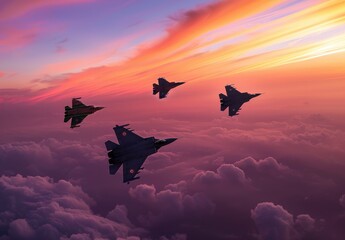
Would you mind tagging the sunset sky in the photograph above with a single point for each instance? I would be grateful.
(275, 171)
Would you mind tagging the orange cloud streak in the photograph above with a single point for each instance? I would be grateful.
(191, 25)
(183, 53)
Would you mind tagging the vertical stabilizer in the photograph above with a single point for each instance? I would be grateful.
(223, 105)
(155, 89)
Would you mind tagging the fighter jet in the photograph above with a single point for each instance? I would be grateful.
(131, 152)
(78, 112)
(163, 87)
(234, 99)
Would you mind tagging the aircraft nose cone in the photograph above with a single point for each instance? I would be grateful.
(170, 140)
(163, 142)
(255, 95)
(99, 108)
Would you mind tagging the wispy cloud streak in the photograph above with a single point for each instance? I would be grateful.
(219, 40)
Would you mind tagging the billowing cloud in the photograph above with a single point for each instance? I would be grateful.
(274, 222)
(42, 158)
(218, 169)
(39, 208)
(226, 172)
(167, 206)
(267, 165)
(305, 223)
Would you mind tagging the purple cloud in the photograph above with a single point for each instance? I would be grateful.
(213, 173)
(225, 172)
(39, 208)
(305, 223)
(165, 209)
(20, 229)
(275, 222)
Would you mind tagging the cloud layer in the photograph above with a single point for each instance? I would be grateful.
(39, 208)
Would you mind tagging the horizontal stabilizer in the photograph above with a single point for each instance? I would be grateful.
(155, 89)
(113, 168)
(223, 107)
(67, 118)
(67, 108)
(222, 97)
(111, 145)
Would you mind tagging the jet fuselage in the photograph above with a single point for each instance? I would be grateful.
(163, 87)
(125, 153)
(234, 99)
(168, 87)
(244, 97)
(77, 111)
(147, 147)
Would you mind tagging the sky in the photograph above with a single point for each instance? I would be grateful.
(275, 171)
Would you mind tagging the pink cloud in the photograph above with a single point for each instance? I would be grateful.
(273, 221)
(225, 172)
(305, 223)
(276, 223)
(298, 176)
(167, 205)
(13, 38)
(17, 8)
(20, 229)
(39, 208)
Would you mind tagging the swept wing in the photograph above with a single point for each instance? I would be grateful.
(131, 169)
(77, 120)
(126, 136)
(162, 81)
(163, 94)
(234, 108)
(76, 103)
(231, 91)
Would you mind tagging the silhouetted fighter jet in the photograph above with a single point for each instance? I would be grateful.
(164, 87)
(78, 112)
(131, 151)
(234, 99)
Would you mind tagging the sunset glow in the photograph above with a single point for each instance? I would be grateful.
(275, 171)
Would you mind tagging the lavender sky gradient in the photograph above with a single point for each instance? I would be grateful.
(274, 172)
